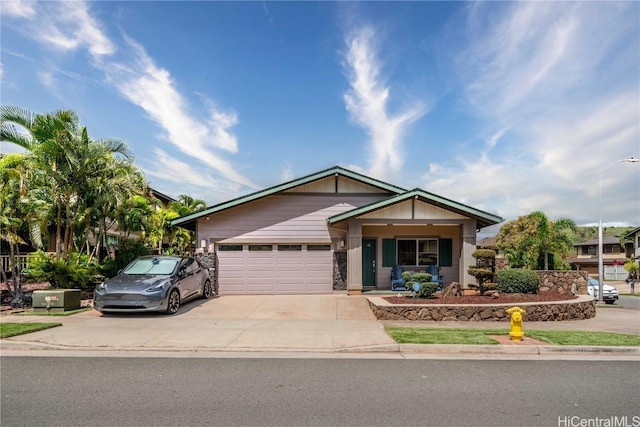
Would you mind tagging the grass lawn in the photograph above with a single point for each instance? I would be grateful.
(481, 336)
(443, 336)
(13, 329)
(585, 338)
(53, 313)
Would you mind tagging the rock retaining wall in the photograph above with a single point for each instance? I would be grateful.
(583, 307)
(563, 281)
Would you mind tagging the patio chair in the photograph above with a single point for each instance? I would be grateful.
(397, 282)
(434, 271)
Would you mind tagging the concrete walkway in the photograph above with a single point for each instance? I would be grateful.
(333, 325)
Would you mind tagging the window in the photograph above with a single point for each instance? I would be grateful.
(289, 247)
(417, 251)
(229, 247)
(318, 247)
(588, 250)
(260, 247)
(612, 249)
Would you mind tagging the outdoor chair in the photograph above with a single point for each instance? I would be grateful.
(397, 282)
(434, 271)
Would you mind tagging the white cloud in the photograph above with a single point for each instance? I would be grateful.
(70, 26)
(152, 88)
(18, 8)
(287, 173)
(367, 103)
(559, 82)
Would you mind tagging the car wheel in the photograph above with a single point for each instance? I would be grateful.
(207, 290)
(610, 301)
(173, 304)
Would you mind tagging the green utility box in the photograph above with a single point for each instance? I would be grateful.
(56, 300)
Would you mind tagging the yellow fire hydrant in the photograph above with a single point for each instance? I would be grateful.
(516, 313)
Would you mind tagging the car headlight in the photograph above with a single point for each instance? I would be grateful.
(160, 286)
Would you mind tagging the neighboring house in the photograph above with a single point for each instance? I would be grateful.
(632, 249)
(613, 256)
(335, 229)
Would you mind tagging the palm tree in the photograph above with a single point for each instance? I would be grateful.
(187, 205)
(18, 207)
(528, 240)
(83, 175)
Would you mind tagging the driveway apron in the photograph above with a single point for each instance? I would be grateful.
(322, 323)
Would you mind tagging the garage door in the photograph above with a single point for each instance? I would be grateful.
(275, 269)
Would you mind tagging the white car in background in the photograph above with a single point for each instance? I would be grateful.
(609, 293)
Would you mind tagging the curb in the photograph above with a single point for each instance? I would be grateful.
(415, 349)
(514, 350)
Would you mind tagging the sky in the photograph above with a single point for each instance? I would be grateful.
(510, 107)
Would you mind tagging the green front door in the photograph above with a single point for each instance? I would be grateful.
(368, 262)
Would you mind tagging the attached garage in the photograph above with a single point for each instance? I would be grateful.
(334, 230)
(275, 268)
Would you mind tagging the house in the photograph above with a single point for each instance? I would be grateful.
(335, 229)
(613, 257)
(632, 248)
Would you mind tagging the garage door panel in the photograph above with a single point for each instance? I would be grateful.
(275, 272)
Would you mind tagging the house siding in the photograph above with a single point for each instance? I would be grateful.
(413, 209)
(383, 274)
(280, 219)
(340, 183)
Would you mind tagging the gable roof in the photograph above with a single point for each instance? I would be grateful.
(632, 232)
(333, 171)
(609, 240)
(483, 218)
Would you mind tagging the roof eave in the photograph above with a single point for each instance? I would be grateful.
(287, 186)
(485, 219)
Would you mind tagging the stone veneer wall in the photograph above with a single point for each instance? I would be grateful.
(582, 308)
(563, 281)
(340, 270)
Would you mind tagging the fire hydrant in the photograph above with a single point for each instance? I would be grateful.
(516, 313)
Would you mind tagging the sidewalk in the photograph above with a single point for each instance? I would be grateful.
(285, 326)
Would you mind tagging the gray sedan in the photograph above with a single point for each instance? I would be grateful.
(153, 283)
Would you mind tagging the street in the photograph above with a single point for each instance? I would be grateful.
(629, 302)
(78, 391)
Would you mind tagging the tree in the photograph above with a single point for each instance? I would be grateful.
(529, 240)
(84, 180)
(485, 268)
(187, 205)
(18, 208)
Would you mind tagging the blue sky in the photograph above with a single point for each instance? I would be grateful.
(510, 107)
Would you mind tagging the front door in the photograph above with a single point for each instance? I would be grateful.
(369, 262)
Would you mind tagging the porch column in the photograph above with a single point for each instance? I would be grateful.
(468, 246)
(354, 259)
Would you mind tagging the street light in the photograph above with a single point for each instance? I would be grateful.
(600, 261)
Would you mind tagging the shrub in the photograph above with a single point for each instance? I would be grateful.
(77, 272)
(426, 289)
(421, 277)
(518, 280)
(127, 251)
(406, 276)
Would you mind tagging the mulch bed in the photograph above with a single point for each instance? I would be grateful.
(478, 299)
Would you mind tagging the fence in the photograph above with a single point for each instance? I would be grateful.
(615, 272)
(23, 262)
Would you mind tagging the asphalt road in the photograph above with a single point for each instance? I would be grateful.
(628, 302)
(315, 392)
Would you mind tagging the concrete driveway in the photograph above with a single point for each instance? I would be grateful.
(287, 323)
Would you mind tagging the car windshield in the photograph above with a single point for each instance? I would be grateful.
(151, 266)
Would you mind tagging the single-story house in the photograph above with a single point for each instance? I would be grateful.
(335, 229)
